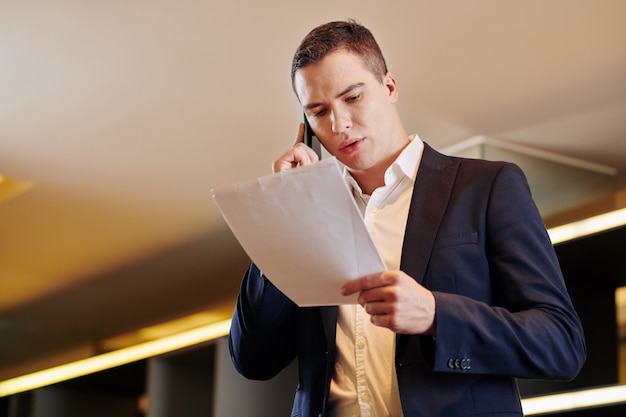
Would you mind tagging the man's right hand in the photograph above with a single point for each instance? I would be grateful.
(298, 155)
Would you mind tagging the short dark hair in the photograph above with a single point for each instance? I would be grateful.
(340, 35)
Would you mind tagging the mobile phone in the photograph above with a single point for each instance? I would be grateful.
(311, 140)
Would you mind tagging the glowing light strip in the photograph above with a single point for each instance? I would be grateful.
(574, 400)
(115, 358)
(10, 187)
(588, 226)
(531, 406)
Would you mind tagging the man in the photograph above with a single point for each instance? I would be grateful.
(473, 296)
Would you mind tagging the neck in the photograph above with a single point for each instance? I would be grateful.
(374, 177)
(370, 180)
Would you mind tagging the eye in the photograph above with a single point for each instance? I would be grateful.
(319, 113)
(353, 97)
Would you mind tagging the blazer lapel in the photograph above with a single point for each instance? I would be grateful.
(431, 194)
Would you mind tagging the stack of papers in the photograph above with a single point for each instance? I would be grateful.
(302, 228)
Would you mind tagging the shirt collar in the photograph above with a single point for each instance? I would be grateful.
(410, 157)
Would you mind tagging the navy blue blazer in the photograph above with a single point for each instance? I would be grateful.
(474, 238)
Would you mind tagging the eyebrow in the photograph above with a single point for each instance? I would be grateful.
(345, 91)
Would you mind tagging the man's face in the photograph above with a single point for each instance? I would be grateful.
(351, 111)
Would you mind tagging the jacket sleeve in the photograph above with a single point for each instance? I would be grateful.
(261, 339)
(509, 312)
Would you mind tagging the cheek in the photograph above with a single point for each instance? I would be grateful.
(369, 112)
(379, 117)
(323, 132)
(320, 128)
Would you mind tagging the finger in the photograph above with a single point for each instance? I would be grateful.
(365, 283)
(299, 155)
(300, 136)
(374, 308)
(384, 293)
(304, 154)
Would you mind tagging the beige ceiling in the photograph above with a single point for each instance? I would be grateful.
(125, 114)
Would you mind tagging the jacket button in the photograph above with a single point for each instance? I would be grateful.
(460, 363)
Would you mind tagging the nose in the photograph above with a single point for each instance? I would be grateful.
(340, 120)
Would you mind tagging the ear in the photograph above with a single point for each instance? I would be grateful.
(390, 83)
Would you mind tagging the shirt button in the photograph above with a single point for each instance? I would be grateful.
(360, 344)
(366, 396)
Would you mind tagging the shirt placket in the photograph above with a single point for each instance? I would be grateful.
(363, 392)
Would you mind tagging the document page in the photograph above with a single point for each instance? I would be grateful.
(303, 230)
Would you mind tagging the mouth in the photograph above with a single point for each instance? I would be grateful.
(350, 145)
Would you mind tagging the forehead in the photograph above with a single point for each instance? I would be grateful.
(330, 75)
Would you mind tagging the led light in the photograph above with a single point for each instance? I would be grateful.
(10, 187)
(588, 226)
(574, 400)
(162, 330)
(112, 359)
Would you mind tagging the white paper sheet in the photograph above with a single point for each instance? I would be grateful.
(303, 230)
